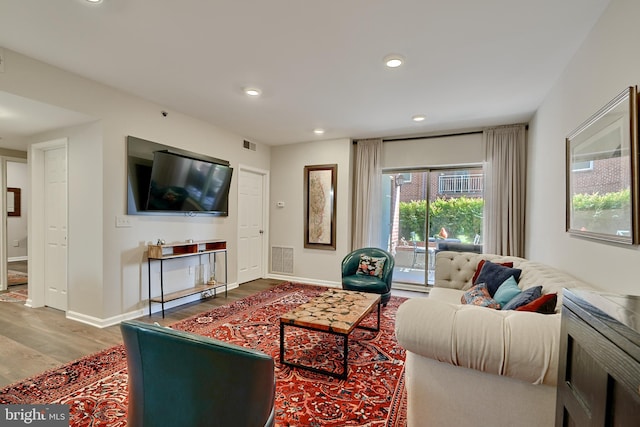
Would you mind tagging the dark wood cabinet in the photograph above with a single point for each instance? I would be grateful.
(599, 369)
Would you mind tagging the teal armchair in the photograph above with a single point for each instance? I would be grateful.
(378, 284)
(182, 379)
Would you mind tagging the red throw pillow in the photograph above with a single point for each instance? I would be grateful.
(481, 263)
(546, 304)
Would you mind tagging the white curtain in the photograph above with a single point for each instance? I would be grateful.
(504, 190)
(366, 201)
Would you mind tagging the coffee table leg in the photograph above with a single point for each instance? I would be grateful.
(282, 342)
(345, 372)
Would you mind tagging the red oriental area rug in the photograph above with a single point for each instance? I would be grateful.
(95, 387)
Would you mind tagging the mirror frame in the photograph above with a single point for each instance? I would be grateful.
(621, 129)
(16, 201)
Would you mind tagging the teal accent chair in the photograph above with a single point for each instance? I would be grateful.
(181, 379)
(361, 282)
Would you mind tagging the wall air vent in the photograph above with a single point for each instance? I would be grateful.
(249, 145)
(281, 260)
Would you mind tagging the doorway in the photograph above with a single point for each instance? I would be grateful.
(48, 225)
(253, 187)
(424, 211)
(16, 176)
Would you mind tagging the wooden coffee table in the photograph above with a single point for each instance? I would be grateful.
(335, 311)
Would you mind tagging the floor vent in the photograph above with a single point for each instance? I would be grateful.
(249, 145)
(281, 260)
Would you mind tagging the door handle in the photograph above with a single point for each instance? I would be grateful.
(261, 231)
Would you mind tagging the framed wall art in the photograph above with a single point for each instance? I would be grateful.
(320, 206)
(602, 173)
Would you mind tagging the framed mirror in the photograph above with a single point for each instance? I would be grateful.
(602, 173)
(13, 201)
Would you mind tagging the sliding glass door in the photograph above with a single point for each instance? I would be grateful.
(428, 210)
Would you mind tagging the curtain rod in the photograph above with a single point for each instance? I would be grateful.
(444, 135)
(431, 136)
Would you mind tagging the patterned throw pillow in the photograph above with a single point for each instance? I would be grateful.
(479, 295)
(371, 266)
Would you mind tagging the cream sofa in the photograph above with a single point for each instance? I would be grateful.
(475, 366)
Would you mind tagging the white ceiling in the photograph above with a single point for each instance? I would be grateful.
(469, 63)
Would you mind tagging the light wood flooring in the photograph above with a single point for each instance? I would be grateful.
(33, 340)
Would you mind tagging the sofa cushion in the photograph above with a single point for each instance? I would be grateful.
(507, 291)
(481, 263)
(371, 266)
(515, 344)
(479, 295)
(525, 297)
(546, 304)
(495, 274)
(360, 282)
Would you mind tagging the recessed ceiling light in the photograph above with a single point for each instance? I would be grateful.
(94, 1)
(318, 131)
(418, 118)
(393, 60)
(252, 91)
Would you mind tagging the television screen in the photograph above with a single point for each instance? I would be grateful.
(180, 183)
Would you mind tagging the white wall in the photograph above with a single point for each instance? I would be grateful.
(287, 166)
(433, 152)
(107, 268)
(606, 63)
(286, 224)
(17, 177)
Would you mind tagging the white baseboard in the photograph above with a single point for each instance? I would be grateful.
(155, 308)
(104, 323)
(17, 258)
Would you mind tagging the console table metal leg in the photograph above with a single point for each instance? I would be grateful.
(149, 269)
(162, 288)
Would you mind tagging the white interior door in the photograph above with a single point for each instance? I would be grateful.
(251, 218)
(55, 216)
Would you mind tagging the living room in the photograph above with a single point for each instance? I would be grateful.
(106, 265)
(100, 281)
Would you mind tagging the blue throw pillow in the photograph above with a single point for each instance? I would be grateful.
(507, 291)
(524, 298)
(495, 274)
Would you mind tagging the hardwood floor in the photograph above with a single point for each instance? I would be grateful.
(20, 266)
(33, 340)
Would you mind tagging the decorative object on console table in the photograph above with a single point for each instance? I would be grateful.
(163, 252)
(320, 206)
(599, 369)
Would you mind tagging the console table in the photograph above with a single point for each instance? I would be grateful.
(165, 252)
(599, 369)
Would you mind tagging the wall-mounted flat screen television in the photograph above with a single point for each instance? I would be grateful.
(166, 180)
